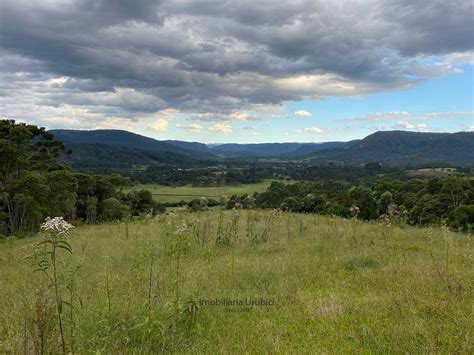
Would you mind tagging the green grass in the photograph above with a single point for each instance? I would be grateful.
(338, 287)
(187, 193)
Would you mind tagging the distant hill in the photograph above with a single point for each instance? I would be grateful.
(402, 148)
(192, 146)
(97, 157)
(161, 151)
(267, 150)
(255, 150)
(120, 148)
(307, 149)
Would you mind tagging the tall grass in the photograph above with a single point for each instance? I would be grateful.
(336, 285)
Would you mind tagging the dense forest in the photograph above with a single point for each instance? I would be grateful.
(233, 173)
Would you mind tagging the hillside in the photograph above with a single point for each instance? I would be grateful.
(281, 150)
(119, 149)
(401, 148)
(103, 157)
(395, 148)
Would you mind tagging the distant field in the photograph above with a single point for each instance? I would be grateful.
(431, 172)
(187, 193)
(332, 286)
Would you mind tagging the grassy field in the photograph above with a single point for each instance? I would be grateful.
(431, 172)
(187, 193)
(331, 286)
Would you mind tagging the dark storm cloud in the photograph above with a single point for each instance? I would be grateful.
(123, 57)
(430, 27)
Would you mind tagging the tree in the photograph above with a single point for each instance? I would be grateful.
(363, 199)
(25, 202)
(291, 204)
(140, 202)
(462, 218)
(112, 209)
(456, 187)
(384, 202)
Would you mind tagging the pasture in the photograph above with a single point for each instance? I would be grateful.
(243, 282)
(187, 193)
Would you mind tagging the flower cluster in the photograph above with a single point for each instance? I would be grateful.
(276, 212)
(182, 229)
(355, 211)
(57, 226)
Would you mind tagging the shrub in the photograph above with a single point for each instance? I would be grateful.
(112, 209)
(462, 218)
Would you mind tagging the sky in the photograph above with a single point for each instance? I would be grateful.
(239, 71)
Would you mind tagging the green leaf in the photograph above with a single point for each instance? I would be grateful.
(65, 248)
(65, 243)
(43, 263)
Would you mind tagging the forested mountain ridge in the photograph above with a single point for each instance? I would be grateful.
(274, 150)
(402, 148)
(129, 140)
(395, 148)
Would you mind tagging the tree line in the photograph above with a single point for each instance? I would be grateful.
(232, 172)
(448, 200)
(35, 184)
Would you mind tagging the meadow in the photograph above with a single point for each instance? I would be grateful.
(181, 283)
(165, 194)
(431, 172)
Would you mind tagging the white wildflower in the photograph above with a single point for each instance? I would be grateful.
(182, 229)
(57, 226)
(355, 211)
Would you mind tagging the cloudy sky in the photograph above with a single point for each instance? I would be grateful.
(239, 71)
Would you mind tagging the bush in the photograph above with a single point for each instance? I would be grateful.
(198, 204)
(112, 209)
(462, 218)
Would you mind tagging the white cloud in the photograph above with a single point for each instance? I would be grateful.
(192, 127)
(267, 107)
(404, 115)
(167, 114)
(457, 58)
(240, 116)
(471, 129)
(162, 118)
(160, 125)
(302, 113)
(234, 116)
(196, 128)
(221, 127)
(259, 113)
(409, 126)
(310, 130)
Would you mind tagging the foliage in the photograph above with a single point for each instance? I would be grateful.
(35, 184)
(418, 202)
(32, 180)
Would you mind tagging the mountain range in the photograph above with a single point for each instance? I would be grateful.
(118, 148)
